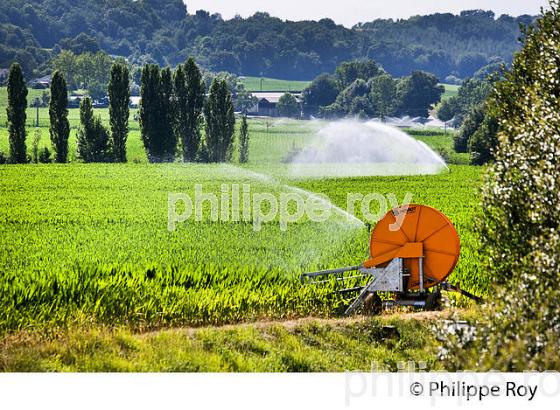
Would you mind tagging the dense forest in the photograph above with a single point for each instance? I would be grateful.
(164, 32)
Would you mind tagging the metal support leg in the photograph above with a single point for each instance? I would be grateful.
(421, 272)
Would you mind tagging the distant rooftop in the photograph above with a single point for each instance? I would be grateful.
(273, 96)
(45, 79)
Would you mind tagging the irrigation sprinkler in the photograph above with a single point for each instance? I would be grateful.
(413, 249)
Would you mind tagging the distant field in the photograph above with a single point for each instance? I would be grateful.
(450, 91)
(31, 95)
(73, 113)
(271, 84)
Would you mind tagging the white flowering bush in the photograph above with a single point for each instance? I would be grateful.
(520, 226)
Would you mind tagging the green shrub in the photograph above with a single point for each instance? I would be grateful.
(44, 156)
(482, 143)
(468, 128)
(92, 137)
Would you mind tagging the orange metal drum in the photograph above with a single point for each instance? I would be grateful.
(423, 232)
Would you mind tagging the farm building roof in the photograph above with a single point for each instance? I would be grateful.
(272, 96)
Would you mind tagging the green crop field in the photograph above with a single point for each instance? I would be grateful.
(88, 245)
(272, 84)
(450, 91)
(92, 239)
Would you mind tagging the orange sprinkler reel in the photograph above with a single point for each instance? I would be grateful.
(412, 248)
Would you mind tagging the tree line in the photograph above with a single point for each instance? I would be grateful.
(163, 32)
(364, 89)
(94, 142)
(471, 110)
(173, 111)
(90, 71)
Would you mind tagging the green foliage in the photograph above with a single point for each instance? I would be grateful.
(417, 93)
(96, 90)
(156, 114)
(58, 114)
(17, 43)
(350, 71)
(477, 134)
(45, 99)
(17, 104)
(471, 123)
(189, 91)
(333, 111)
(483, 142)
(44, 156)
(244, 140)
(242, 98)
(288, 106)
(376, 96)
(489, 72)
(162, 32)
(354, 98)
(448, 108)
(383, 91)
(471, 93)
(66, 64)
(322, 92)
(220, 122)
(92, 137)
(119, 97)
(443, 43)
(86, 70)
(519, 328)
(167, 112)
(80, 44)
(35, 146)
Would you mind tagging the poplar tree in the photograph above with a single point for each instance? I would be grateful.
(189, 97)
(58, 113)
(17, 103)
(220, 122)
(119, 99)
(244, 140)
(156, 113)
(167, 116)
(149, 99)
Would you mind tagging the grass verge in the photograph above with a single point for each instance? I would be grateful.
(308, 345)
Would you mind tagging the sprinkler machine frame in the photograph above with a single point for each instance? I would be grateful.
(413, 248)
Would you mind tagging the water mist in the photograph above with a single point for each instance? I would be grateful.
(354, 148)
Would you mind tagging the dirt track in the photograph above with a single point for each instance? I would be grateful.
(334, 322)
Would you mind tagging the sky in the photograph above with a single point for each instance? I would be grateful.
(350, 12)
